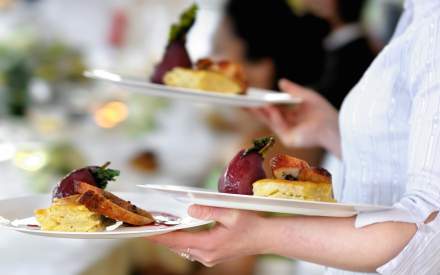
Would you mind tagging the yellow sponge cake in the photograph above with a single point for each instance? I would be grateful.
(303, 190)
(201, 80)
(68, 215)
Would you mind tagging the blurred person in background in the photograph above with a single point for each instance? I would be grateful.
(271, 42)
(348, 52)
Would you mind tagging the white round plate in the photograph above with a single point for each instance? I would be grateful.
(24, 207)
(253, 98)
(287, 206)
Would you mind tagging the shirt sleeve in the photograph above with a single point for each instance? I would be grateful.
(422, 196)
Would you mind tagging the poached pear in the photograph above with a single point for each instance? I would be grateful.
(97, 176)
(245, 168)
(176, 54)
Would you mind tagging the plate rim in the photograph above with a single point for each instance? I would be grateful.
(115, 78)
(103, 234)
(203, 191)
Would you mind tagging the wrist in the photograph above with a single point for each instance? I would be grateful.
(270, 237)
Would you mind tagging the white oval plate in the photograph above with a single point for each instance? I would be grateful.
(288, 206)
(253, 98)
(23, 208)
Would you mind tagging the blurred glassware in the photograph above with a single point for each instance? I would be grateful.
(52, 65)
(31, 158)
(56, 62)
(45, 163)
(15, 76)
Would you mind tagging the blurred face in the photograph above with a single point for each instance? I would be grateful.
(326, 9)
(228, 46)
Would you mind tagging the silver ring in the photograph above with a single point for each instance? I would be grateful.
(187, 255)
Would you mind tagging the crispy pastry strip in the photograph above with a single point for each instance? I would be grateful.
(290, 168)
(110, 205)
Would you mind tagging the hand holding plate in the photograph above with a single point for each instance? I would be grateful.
(236, 233)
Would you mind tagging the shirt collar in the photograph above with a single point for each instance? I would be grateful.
(342, 36)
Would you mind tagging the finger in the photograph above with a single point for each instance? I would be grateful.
(292, 116)
(224, 216)
(278, 122)
(293, 88)
(297, 137)
(260, 114)
(208, 259)
(182, 240)
(193, 253)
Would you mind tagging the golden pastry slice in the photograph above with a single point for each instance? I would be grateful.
(68, 215)
(303, 190)
(287, 167)
(201, 80)
(111, 206)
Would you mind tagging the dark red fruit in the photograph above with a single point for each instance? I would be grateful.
(245, 169)
(94, 175)
(65, 187)
(175, 55)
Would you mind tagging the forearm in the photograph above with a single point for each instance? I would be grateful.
(335, 242)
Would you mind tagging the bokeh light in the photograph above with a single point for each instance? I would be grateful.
(111, 114)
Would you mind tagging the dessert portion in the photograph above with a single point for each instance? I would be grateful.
(69, 215)
(80, 204)
(111, 206)
(245, 168)
(176, 68)
(176, 54)
(207, 75)
(293, 178)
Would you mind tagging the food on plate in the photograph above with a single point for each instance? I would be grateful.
(295, 179)
(287, 167)
(145, 161)
(111, 206)
(68, 215)
(176, 68)
(245, 168)
(95, 175)
(223, 76)
(315, 174)
(80, 204)
(176, 54)
(287, 189)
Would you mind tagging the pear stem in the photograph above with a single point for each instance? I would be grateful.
(261, 145)
(270, 141)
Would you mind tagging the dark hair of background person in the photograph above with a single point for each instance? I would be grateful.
(346, 63)
(270, 29)
(350, 10)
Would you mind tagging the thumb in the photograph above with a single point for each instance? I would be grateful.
(293, 88)
(298, 137)
(209, 213)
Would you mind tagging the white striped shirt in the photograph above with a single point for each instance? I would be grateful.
(390, 132)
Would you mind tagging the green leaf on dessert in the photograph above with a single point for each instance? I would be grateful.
(104, 175)
(180, 29)
(261, 145)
